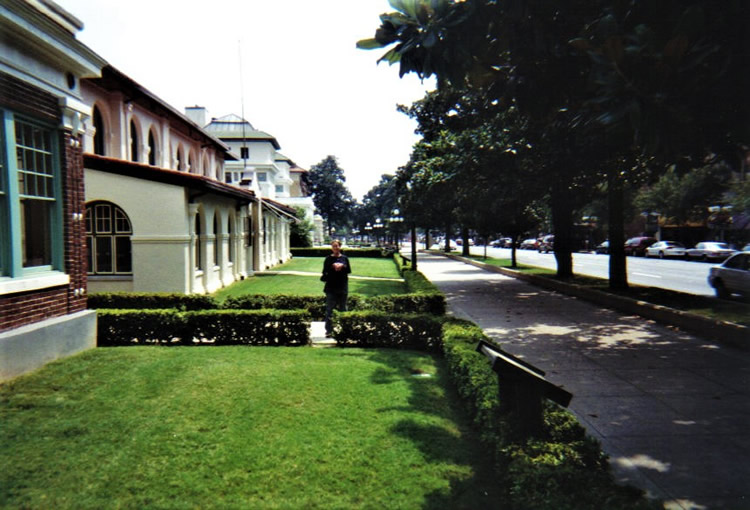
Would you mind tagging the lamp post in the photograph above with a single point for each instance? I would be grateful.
(396, 219)
(368, 229)
(378, 227)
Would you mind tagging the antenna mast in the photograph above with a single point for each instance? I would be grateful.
(242, 107)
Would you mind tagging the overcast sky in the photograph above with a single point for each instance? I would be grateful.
(304, 81)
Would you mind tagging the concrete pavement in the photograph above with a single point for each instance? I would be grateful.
(672, 410)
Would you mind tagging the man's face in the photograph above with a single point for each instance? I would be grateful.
(336, 248)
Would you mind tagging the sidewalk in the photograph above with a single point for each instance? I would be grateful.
(671, 410)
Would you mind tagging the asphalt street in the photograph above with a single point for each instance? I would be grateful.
(671, 410)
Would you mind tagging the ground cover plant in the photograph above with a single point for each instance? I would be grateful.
(239, 427)
(733, 310)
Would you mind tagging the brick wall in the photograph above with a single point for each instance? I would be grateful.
(24, 308)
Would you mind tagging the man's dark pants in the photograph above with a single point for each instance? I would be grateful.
(337, 301)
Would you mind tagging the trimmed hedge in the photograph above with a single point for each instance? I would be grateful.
(563, 470)
(203, 327)
(151, 300)
(375, 253)
(379, 329)
(433, 304)
(417, 282)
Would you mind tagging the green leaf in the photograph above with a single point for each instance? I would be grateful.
(368, 44)
(408, 7)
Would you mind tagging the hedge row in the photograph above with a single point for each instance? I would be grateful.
(380, 329)
(562, 470)
(376, 253)
(432, 303)
(203, 327)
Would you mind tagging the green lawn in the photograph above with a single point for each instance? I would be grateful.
(310, 285)
(239, 427)
(361, 266)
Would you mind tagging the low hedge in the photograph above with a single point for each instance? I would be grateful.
(564, 469)
(433, 304)
(151, 300)
(417, 282)
(209, 327)
(380, 329)
(375, 253)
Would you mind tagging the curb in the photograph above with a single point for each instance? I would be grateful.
(727, 333)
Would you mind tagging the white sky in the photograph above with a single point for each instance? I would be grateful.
(304, 81)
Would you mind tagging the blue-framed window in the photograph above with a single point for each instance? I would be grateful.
(31, 239)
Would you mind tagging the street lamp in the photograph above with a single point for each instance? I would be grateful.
(378, 227)
(368, 229)
(396, 219)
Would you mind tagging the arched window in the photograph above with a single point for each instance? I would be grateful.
(179, 158)
(99, 135)
(108, 232)
(198, 244)
(133, 142)
(191, 164)
(151, 148)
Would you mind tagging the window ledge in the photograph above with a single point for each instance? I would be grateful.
(110, 278)
(35, 282)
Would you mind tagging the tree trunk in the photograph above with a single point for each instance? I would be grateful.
(562, 225)
(447, 248)
(465, 240)
(618, 273)
(414, 247)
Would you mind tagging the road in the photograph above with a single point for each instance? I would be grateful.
(679, 275)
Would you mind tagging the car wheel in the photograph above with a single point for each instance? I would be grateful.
(661, 254)
(721, 291)
(704, 258)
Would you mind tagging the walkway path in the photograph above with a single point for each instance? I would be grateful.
(671, 410)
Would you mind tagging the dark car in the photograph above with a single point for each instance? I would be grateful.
(547, 244)
(637, 245)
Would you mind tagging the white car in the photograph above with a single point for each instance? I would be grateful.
(731, 277)
(710, 250)
(664, 249)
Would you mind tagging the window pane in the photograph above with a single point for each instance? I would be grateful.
(103, 254)
(123, 254)
(122, 224)
(36, 230)
(89, 254)
(103, 219)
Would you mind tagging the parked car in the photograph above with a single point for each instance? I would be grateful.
(731, 277)
(746, 247)
(602, 248)
(637, 245)
(710, 250)
(547, 244)
(529, 244)
(664, 249)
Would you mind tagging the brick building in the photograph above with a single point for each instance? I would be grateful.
(43, 285)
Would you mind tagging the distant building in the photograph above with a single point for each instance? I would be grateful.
(43, 284)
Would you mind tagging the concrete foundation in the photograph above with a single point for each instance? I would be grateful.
(30, 347)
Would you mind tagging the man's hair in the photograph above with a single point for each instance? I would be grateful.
(336, 241)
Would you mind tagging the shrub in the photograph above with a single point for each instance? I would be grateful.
(433, 304)
(314, 305)
(151, 300)
(401, 263)
(216, 327)
(248, 327)
(378, 329)
(563, 469)
(417, 282)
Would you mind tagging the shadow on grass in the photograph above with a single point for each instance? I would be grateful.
(440, 429)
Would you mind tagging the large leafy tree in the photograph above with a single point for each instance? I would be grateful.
(300, 232)
(331, 197)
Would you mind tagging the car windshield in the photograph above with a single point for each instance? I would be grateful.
(721, 246)
(673, 244)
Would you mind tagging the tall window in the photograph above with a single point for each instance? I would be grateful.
(108, 232)
(133, 142)
(151, 148)
(217, 241)
(231, 240)
(198, 244)
(244, 152)
(99, 135)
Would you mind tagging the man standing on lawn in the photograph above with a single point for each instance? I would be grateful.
(336, 271)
